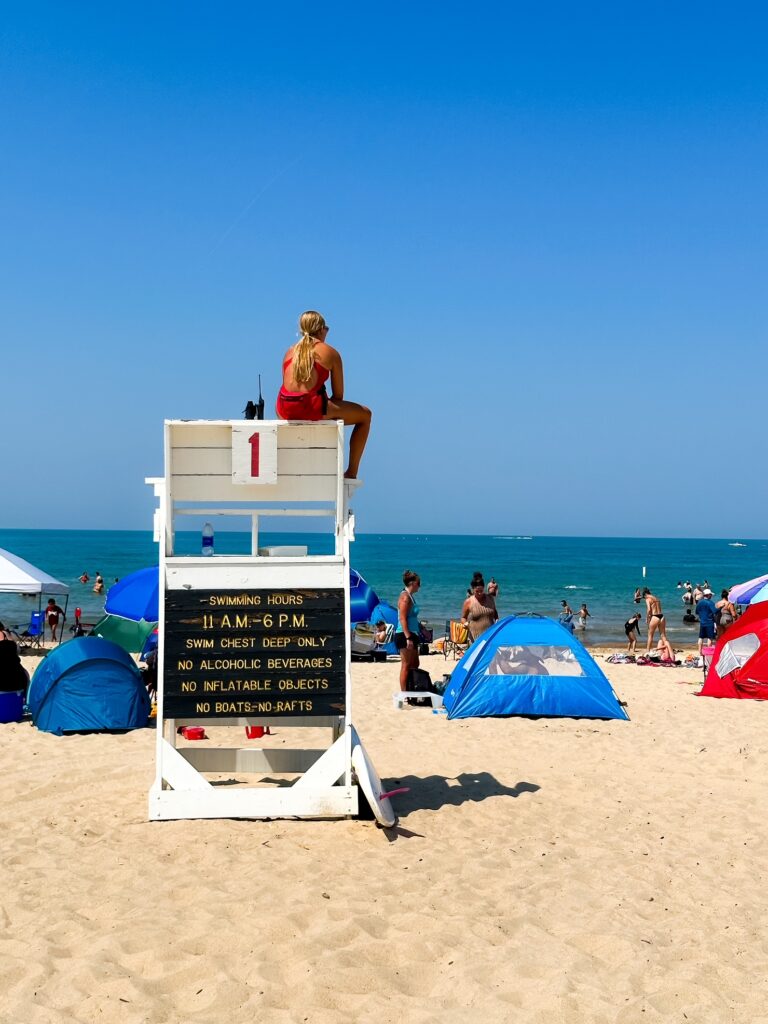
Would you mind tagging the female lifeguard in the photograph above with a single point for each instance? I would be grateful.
(306, 367)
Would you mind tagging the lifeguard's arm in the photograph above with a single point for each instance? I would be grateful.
(465, 612)
(337, 376)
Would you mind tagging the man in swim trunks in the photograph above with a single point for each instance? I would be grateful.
(655, 617)
(706, 611)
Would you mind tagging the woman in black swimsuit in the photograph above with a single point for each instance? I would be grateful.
(655, 617)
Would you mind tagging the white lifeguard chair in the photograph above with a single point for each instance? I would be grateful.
(256, 639)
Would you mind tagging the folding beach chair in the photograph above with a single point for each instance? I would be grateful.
(456, 639)
(34, 634)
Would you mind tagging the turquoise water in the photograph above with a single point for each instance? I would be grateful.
(534, 574)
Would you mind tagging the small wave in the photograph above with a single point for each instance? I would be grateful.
(513, 538)
(573, 586)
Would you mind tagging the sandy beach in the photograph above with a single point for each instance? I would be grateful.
(550, 870)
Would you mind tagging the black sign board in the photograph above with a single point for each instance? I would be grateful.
(258, 653)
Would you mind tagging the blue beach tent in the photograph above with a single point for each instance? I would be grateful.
(529, 665)
(88, 684)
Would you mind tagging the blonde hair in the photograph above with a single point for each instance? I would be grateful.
(311, 324)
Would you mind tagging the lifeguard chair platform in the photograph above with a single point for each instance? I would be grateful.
(259, 639)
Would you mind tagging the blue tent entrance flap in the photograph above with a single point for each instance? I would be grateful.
(86, 685)
(527, 665)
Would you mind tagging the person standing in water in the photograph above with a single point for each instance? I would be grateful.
(584, 614)
(307, 365)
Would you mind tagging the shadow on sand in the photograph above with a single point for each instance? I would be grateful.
(432, 792)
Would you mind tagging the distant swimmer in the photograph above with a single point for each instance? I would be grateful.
(565, 618)
(84, 578)
(307, 365)
(584, 614)
(655, 617)
(689, 618)
(493, 588)
(98, 586)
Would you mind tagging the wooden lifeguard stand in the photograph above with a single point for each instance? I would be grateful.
(260, 639)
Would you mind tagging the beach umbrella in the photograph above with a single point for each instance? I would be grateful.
(135, 596)
(761, 595)
(150, 644)
(130, 634)
(745, 592)
(362, 598)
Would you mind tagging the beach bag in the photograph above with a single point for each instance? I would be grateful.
(419, 681)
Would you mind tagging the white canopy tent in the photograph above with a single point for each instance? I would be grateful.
(18, 576)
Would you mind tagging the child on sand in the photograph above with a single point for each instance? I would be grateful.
(632, 629)
(52, 613)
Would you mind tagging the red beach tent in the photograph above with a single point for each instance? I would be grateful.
(739, 665)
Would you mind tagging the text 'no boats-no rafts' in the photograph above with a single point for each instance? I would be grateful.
(257, 640)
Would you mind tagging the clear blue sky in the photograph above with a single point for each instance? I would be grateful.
(538, 232)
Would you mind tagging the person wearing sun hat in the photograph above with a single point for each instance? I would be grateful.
(706, 612)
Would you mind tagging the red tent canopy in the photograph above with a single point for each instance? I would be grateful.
(745, 642)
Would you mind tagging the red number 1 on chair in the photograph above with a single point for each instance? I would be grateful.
(253, 440)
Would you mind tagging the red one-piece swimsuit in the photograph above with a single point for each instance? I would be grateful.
(304, 405)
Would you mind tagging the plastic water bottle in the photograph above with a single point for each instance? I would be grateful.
(207, 539)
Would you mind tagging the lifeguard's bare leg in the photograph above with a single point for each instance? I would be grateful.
(359, 418)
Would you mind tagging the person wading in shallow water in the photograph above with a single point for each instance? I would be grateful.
(307, 365)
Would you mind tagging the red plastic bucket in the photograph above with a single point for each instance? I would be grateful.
(193, 732)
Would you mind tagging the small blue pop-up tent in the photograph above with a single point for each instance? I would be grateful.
(529, 665)
(88, 684)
